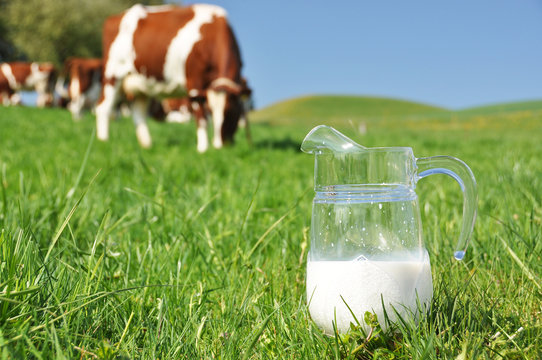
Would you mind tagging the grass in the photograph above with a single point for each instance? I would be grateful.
(109, 251)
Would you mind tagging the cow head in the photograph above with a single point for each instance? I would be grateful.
(232, 113)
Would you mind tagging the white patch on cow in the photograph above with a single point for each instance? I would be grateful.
(159, 8)
(36, 76)
(195, 105)
(77, 99)
(16, 99)
(38, 80)
(125, 110)
(203, 141)
(75, 87)
(193, 92)
(225, 82)
(122, 53)
(217, 104)
(6, 70)
(140, 84)
(76, 106)
(183, 42)
(180, 116)
(139, 115)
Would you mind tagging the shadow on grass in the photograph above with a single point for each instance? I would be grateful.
(282, 144)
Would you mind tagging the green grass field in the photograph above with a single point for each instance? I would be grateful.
(109, 251)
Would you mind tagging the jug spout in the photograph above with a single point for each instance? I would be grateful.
(324, 139)
(342, 163)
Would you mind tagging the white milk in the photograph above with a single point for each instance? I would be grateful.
(361, 284)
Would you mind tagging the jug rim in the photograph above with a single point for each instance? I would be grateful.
(340, 142)
(369, 149)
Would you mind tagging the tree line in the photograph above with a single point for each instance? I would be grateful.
(52, 30)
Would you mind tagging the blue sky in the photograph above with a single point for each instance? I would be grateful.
(454, 54)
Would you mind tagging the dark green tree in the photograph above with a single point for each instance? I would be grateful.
(7, 50)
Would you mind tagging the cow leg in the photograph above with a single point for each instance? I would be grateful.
(44, 97)
(203, 141)
(5, 96)
(139, 114)
(76, 106)
(15, 99)
(217, 104)
(41, 100)
(104, 110)
(77, 100)
(201, 123)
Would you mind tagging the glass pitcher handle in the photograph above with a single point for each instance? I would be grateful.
(465, 178)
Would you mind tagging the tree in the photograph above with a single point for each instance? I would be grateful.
(7, 50)
(52, 30)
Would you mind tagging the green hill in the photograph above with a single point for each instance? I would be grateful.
(339, 109)
(386, 113)
(533, 105)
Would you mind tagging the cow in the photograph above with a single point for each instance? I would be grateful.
(19, 76)
(171, 51)
(84, 84)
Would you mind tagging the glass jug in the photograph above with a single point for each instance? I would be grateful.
(366, 250)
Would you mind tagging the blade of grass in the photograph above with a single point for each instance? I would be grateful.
(523, 267)
(125, 329)
(83, 166)
(257, 335)
(67, 219)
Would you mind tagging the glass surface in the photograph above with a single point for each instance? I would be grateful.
(372, 222)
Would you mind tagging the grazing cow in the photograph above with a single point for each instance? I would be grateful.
(170, 51)
(19, 76)
(84, 84)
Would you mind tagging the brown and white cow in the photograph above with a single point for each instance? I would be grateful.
(170, 51)
(19, 76)
(84, 84)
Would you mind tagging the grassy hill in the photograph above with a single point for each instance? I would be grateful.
(341, 109)
(347, 112)
(532, 105)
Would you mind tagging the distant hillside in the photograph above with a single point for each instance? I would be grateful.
(504, 107)
(339, 109)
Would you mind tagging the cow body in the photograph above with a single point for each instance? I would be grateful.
(170, 51)
(84, 84)
(19, 76)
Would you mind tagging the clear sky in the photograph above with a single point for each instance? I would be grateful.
(454, 54)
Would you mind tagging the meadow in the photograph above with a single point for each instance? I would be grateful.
(110, 251)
